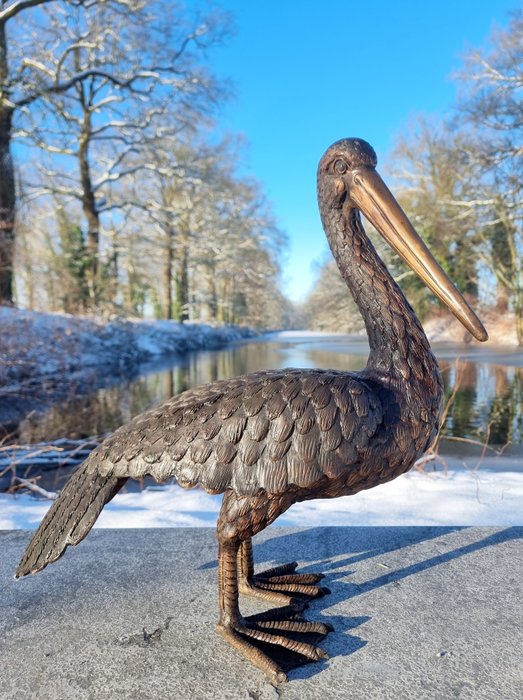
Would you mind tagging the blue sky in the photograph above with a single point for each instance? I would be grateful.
(311, 72)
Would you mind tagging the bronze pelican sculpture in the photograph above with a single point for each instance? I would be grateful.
(272, 438)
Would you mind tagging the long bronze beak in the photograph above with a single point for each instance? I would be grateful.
(372, 196)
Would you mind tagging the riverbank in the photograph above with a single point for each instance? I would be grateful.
(63, 377)
(46, 357)
(501, 327)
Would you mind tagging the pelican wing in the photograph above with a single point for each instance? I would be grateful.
(268, 430)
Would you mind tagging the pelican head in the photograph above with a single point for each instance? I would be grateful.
(347, 180)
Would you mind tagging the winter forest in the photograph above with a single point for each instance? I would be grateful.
(121, 195)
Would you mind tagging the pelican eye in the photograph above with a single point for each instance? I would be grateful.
(340, 166)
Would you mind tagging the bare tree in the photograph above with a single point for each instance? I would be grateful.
(20, 90)
(209, 240)
(11, 100)
(491, 111)
(462, 179)
(329, 306)
(433, 173)
(177, 205)
(143, 78)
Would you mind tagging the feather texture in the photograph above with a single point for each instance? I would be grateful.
(233, 432)
(70, 518)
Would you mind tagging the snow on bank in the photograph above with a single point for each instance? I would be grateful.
(458, 497)
(37, 346)
(157, 338)
(501, 328)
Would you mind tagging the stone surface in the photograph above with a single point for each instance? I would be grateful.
(419, 612)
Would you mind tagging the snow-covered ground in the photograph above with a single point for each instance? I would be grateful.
(34, 344)
(51, 356)
(455, 496)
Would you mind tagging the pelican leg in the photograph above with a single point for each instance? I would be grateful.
(261, 638)
(278, 585)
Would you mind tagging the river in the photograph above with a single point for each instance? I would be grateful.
(487, 384)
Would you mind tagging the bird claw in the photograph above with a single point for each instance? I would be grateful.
(282, 585)
(271, 640)
(287, 612)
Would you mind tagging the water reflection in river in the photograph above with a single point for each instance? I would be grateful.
(488, 398)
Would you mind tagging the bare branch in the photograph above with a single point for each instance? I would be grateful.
(17, 7)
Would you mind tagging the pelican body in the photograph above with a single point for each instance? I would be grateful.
(272, 438)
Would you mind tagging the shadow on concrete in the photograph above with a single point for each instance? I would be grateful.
(118, 566)
(346, 547)
(350, 545)
(340, 642)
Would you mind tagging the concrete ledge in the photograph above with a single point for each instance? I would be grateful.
(426, 612)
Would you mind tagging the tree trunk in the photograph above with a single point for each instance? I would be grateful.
(214, 300)
(91, 214)
(7, 210)
(182, 282)
(25, 265)
(7, 183)
(518, 312)
(515, 275)
(167, 274)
